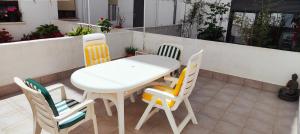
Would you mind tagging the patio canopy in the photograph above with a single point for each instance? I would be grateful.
(278, 6)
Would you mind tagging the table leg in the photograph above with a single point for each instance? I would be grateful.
(120, 108)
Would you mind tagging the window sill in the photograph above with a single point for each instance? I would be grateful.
(12, 23)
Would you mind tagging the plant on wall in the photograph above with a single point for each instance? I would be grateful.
(80, 30)
(104, 24)
(130, 51)
(43, 31)
(194, 17)
(212, 30)
(5, 36)
(261, 29)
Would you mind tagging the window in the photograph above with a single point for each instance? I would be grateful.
(9, 11)
(112, 12)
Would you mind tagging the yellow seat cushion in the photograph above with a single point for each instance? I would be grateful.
(96, 52)
(147, 97)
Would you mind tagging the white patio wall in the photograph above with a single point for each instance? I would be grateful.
(158, 12)
(47, 56)
(267, 65)
(33, 15)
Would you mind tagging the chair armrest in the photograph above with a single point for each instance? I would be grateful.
(57, 86)
(160, 94)
(86, 104)
(173, 80)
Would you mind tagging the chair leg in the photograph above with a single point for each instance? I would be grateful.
(171, 118)
(132, 98)
(107, 107)
(145, 115)
(95, 124)
(190, 110)
(36, 127)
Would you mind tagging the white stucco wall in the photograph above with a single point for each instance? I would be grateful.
(158, 12)
(98, 8)
(267, 65)
(33, 15)
(47, 56)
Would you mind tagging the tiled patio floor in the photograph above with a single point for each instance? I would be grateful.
(221, 108)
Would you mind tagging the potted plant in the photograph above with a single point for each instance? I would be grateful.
(120, 22)
(105, 25)
(44, 31)
(130, 51)
(80, 30)
(5, 36)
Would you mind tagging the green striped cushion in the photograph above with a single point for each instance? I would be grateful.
(37, 86)
(169, 51)
(65, 105)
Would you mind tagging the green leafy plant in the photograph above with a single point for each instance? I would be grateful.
(130, 50)
(211, 30)
(104, 24)
(194, 17)
(5, 36)
(80, 30)
(261, 29)
(43, 31)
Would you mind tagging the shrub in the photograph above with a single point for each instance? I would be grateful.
(105, 25)
(44, 31)
(80, 31)
(130, 50)
(5, 36)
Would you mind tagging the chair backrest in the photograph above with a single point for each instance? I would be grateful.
(41, 110)
(190, 75)
(95, 49)
(170, 50)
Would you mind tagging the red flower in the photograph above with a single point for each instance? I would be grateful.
(101, 18)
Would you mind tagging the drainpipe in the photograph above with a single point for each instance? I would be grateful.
(175, 12)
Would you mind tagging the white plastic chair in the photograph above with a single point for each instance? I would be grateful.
(96, 51)
(168, 99)
(68, 115)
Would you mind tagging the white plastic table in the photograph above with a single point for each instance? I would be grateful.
(113, 80)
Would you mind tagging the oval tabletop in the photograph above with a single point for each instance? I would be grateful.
(123, 74)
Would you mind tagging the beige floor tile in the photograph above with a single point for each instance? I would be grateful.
(195, 129)
(239, 109)
(227, 128)
(235, 119)
(213, 112)
(259, 126)
(230, 91)
(250, 131)
(244, 102)
(263, 116)
(208, 95)
(219, 104)
(224, 97)
(206, 121)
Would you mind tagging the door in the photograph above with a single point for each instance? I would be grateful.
(138, 13)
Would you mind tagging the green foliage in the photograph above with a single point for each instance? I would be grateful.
(261, 29)
(43, 31)
(130, 50)
(80, 30)
(195, 16)
(105, 25)
(211, 30)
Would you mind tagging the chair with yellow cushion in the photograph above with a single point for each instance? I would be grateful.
(168, 98)
(96, 51)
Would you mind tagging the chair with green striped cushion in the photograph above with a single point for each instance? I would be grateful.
(60, 117)
(170, 50)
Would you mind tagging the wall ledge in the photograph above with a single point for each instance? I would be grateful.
(12, 23)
